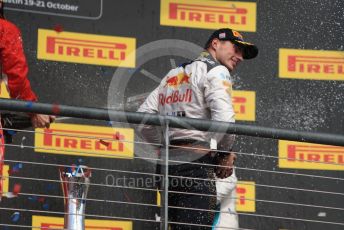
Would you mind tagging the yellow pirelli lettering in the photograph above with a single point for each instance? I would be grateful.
(244, 103)
(48, 222)
(246, 195)
(209, 14)
(311, 64)
(300, 155)
(86, 48)
(85, 140)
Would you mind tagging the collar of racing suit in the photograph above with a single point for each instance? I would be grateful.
(207, 55)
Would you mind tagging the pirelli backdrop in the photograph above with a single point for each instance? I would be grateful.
(76, 50)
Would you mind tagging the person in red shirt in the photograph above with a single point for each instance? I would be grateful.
(14, 71)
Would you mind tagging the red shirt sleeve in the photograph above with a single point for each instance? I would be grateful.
(14, 63)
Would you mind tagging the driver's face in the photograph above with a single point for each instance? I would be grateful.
(229, 54)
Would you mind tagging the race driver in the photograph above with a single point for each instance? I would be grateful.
(200, 89)
(14, 71)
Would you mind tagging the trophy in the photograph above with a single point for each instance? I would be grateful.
(75, 181)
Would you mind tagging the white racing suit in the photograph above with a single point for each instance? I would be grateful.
(200, 89)
(226, 199)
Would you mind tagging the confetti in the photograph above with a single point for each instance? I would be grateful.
(10, 195)
(56, 109)
(104, 143)
(22, 142)
(32, 198)
(58, 28)
(14, 170)
(322, 214)
(29, 105)
(11, 132)
(50, 187)
(16, 188)
(127, 197)
(46, 206)
(157, 217)
(18, 166)
(15, 217)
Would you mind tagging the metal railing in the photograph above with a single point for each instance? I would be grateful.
(173, 122)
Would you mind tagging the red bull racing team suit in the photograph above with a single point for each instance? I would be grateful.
(13, 70)
(199, 89)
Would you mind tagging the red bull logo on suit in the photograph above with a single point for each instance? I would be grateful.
(178, 80)
(178, 94)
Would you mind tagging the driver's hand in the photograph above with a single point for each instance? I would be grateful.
(228, 162)
(41, 120)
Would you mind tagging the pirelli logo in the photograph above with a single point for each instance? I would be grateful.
(86, 48)
(45, 222)
(209, 14)
(84, 140)
(244, 103)
(311, 64)
(299, 155)
(246, 195)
